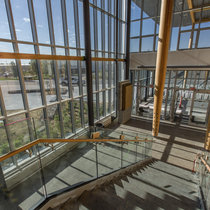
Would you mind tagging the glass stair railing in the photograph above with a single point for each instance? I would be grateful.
(202, 168)
(47, 167)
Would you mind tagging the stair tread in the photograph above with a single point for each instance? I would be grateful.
(157, 186)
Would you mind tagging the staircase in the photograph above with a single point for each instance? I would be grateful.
(155, 185)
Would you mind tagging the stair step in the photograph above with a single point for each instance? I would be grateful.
(158, 185)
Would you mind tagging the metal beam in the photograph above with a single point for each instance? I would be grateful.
(207, 142)
(161, 63)
(116, 55)
(86, 12)
(128, 40)
(203, 20)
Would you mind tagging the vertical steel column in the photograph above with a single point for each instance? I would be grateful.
(185, 78)
(68, 63)
(86, 11)
(19, 67)
(116, 56)
(109, 55)
(207, 113)
(153, 81)
(206, 79)
(54, 62)
(103, 39)
(147, 84)
(173, 100)
(180, 24)
(167, 93)
(192, 105)
(96, 55)
(38, 64)
(138, 91)
(207, 143)
(128, 39)
(198, 30)
(161, 63)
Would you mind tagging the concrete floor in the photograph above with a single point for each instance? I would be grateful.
(176, 145)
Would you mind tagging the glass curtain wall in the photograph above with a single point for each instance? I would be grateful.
(103, 44)
(48, 98)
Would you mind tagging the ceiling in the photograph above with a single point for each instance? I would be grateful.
(152, 7)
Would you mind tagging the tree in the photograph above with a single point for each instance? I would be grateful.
(14, 69)
(33, 65)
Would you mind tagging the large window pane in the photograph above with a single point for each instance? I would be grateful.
(67, 122)
(147, 44)
(174, 38)
(135, 10)
(32, 85)
(39, 124)
(4, 26)
(184, 40)
(135, 28)
(70, 22)
(148, 27)
(77, 114)
(10, 86)
(57, 22)
(99, 29)
(204, 38)
(41, 21)
(4, 145)
(25, 48)
(49, 81)
(134, 45)
(75, 78)
(19, 130)
(81, 24)
(21, 19)
(63, 79)
(6, 47)
(106, 32)
(54, 122)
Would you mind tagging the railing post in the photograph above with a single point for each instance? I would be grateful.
(41, 172)
(121, 154)
(207, 143)
(96, 149)
(136, 152)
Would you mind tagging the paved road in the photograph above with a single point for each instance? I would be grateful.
(15, 102)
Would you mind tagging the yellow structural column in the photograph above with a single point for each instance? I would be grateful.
(207, 144)
(161, 62)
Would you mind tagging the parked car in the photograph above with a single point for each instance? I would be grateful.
(75, 81)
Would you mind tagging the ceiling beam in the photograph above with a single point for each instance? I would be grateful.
(203, 20)
(203, 8)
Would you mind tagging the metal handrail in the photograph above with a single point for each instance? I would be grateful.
(200, 156)
(50, 141)
(205, 164)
